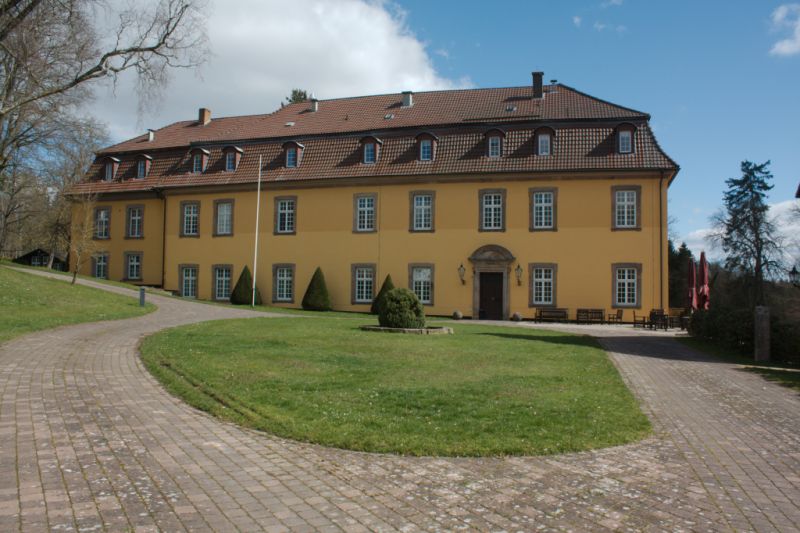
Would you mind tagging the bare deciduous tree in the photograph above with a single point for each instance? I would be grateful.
(82, 243)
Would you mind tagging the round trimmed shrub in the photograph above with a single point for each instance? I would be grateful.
(401, 309)
(516, 317)
(457, 315)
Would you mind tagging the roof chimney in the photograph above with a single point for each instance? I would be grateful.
(314, 105)
(537, 84)
(204, 116)
(408, 99)
(151, 135)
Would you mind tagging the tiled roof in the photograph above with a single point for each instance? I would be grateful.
(366, 113)
(584, 140)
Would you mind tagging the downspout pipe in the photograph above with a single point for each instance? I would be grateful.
(661, 239)
(160, 194)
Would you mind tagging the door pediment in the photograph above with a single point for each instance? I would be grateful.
(491, 253)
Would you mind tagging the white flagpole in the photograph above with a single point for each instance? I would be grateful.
(255, 252)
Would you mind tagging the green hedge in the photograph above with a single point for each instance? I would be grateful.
(401, 309)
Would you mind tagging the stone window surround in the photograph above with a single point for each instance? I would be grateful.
(94, 263)
(216, 215)
(411, 196)
(531, 267)
(432, 267)
(638, 190)
(126, 255)
(275, 221)
(275, 268)
(214, 269)
(531, 192)
(183, 204)
(196, 268)
(614, 268)
(374, 196)
(481, 194)
(128, 209)
(353, 268)
(97, 210)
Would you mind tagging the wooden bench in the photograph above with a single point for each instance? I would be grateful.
(590, 315)
(544, 314)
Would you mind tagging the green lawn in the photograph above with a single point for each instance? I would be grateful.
(29, 303)
(779, 372)
(482, 391)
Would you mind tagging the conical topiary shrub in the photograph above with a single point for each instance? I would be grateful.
(316, 297)
(243, 291)
(378, 301)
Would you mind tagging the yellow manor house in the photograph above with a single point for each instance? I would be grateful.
(486, 201)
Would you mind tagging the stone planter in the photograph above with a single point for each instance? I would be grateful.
(410, 331)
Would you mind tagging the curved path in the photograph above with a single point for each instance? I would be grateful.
(90, 441)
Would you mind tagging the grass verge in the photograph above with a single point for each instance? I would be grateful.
(31, 303)
(483, 391)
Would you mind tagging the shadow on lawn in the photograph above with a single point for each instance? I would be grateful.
(571, 340)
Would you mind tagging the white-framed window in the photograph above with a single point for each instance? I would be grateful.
(544, 144)
(543, 210)
(222, 283)
(370, 153)
(109, 171)
(625, 141)
(291, 157)
(102, 223)
(230, 161)
(626, 286)
(284, 284)
(422, 283)
(365, 213)
(423, 212)
(134, 266)
(101, 266)
(492, 211)
(495, 146)
(625, 208)
(542, 286)
(426, 150)
(189, 282)
(364, 283)
(190, 219)
(224, 218)
(197, 163)
(135, 218)
(286, 215)
(141, 168)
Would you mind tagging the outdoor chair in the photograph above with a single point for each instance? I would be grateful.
(615, 318)
(640, 321)
(658, 319)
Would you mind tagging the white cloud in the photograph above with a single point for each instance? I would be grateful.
(602, 26)
(609, 3)
(787, 16)
(264, 48)
(442, 52)
(599, 26)
(576, 20)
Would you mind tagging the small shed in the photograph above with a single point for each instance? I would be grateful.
(40, 258)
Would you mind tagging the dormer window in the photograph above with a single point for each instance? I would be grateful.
(543, 146)
(143, 166)
(625, 138)
(369, 150)
(199, 160)
(291, 157)
(495, 146)
(110, 168)
(231, 156)
(494, 142)
(426, 150)
(293, 154)
(426, 146)
(370, 153)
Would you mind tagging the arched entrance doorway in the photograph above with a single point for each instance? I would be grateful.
(491, 266)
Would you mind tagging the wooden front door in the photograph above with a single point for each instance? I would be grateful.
(491, 296)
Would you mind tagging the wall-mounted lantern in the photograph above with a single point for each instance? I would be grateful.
(461, 273)
(518, 272)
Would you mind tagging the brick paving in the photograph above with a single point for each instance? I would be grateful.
(90, 441)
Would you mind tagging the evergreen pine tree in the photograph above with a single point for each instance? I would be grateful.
(378, 301)
(242, 293)
(316, 297)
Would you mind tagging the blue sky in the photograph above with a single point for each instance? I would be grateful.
(702, 69)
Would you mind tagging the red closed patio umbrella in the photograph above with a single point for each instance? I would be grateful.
(692, 285)
(703, 290)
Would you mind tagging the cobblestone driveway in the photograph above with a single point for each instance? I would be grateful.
(89, 441)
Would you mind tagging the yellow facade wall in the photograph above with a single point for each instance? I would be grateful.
(584, 247)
